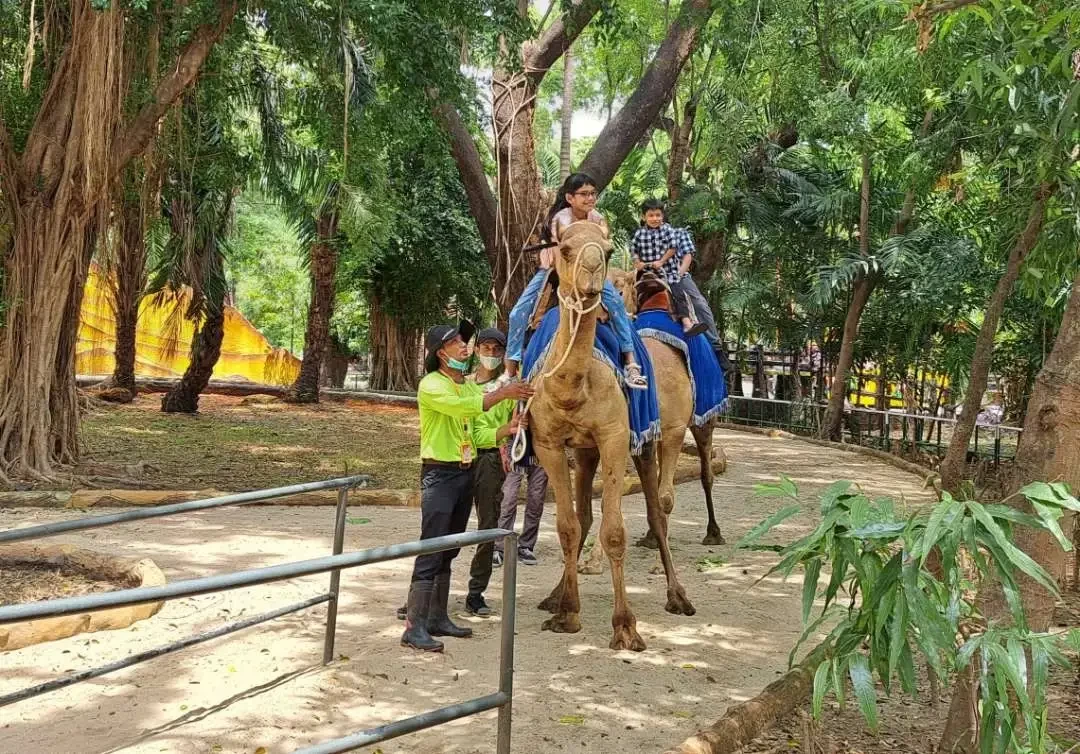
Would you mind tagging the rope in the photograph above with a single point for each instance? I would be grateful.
(577, 310)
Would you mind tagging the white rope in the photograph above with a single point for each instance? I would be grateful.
(577, 311)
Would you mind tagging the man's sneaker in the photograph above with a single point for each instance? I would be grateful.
(475, 605)
(635, 380)
(526, 557)
(497, 560)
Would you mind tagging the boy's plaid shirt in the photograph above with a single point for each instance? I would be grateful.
(650, 245)
(684, 243)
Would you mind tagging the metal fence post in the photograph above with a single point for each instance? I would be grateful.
(335, 576)
(506, 650)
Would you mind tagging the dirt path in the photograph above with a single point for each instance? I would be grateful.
(263, 687)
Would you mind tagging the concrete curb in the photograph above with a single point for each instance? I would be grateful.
(398, 498)
(133, 573)
(929, 476)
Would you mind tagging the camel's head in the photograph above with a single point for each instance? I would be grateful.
(624, 284)
(582, 260)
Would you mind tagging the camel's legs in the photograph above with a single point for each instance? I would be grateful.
(703, 437)
(586, 460)
(657, 512)
(613, 534)
(568, 607)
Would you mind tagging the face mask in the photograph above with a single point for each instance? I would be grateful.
(490, 362)
(460, 366)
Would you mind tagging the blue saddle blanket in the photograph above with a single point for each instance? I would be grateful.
(706, 377)
(642, 405)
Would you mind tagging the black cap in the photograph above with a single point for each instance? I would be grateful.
(440, 334)
(491, 333)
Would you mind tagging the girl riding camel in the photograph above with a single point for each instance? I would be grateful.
(576, 203)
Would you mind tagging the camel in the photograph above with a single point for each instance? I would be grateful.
(676, 411)
(579, 404)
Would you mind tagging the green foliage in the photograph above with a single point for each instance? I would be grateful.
(897, 609)
(267, 278)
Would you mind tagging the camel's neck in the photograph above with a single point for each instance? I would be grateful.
(579, 360)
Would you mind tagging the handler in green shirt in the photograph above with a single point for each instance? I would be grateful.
(492, 430)
(449, 408)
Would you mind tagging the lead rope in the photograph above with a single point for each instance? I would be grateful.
(577, 314)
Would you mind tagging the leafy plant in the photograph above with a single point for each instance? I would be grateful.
(885, 606)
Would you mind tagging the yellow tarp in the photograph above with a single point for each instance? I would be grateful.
(163, 341)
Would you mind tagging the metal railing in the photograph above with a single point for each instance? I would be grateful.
(334, 564)
(883, 429)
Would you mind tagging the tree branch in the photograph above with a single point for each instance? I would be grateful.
(945, 6)
(653, 92)
(540, 54)
(140, 132)
(473, 178)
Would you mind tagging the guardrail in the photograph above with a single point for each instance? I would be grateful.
(883, 429)
(334, 564)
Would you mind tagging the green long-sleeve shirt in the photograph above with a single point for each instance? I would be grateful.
(486, 426)
(448, 414)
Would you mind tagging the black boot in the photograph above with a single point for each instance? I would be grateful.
(439, 623)
(403, 612)
(416, 632)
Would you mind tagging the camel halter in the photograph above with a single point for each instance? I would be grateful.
(575, 304)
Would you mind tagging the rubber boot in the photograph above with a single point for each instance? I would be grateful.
(416, 632)
(439, 623)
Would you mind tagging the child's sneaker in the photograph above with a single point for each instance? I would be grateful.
(635, 380)
(497, 560)
(526, 557)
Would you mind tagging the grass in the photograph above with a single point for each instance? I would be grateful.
(229, 446)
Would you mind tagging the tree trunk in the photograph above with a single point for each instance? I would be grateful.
(129, 273)
(205, 350)
(955, 463)
(680, 150)
(566, 116)
(335, 365)
(864, 286)
(521, 202)
(206, 343)
(394, 350)
(324, 261)
(1049, 451)
(54, 189)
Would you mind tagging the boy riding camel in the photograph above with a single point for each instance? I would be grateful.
(655, 245)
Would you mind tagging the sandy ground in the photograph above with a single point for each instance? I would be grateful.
(264, 689)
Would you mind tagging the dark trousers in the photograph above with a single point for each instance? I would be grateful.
(488, 477)
(445, 502)
(680, 300)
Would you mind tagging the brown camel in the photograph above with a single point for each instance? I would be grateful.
(676, 412)
(579, 404)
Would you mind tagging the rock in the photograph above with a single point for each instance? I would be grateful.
(115, 395)
(260, 399)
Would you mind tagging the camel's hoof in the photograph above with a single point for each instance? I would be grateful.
(588, 569)
(648, 541)
(714, 538)
(627, 637)
(550, 604)
(678, 603)
(567, 623)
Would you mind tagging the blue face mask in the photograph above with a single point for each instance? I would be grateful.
(453, 363)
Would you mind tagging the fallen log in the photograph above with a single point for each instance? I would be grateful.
(746, 721)
(241, 389)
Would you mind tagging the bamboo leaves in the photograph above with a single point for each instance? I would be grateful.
(895, 603)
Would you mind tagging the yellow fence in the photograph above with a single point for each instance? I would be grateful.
(163, 341)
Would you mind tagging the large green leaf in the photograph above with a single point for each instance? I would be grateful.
(821, 685)
(862, 685)
(784, 488)
(1016, 557)
(776, 518)
(810, 580)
